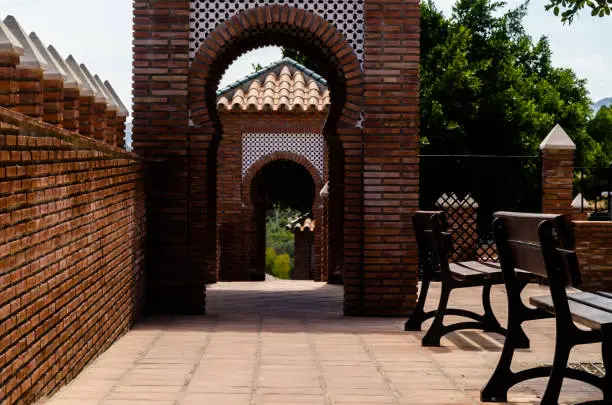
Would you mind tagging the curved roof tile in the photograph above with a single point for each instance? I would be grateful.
(283, 86)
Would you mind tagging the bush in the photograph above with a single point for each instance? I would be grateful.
(279, 266)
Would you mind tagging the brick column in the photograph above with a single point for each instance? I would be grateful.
(178, 177)
(120, 130)
(10, 52)
(111, 126)
(390, 165)
(86, 116)
(53, 93)
(557, 172)
(71, 108)
(72, 91)
(303, 254)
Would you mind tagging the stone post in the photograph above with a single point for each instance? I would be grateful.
(557, 172)
(10, 52)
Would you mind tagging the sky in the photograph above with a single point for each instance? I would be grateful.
(99, 34)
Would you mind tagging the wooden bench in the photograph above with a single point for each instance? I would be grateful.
(536, 242)
(435, 247)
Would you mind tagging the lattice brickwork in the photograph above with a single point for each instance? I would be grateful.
(256, 146)
(346, 15)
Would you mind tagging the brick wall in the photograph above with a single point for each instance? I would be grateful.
(71, 253)
(593, 244)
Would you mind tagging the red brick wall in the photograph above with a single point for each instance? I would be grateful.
(593, 244)
(371, 226)
(71, 253)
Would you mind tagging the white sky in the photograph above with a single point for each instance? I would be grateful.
(99, 34)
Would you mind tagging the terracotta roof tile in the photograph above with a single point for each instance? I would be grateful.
(283, 86)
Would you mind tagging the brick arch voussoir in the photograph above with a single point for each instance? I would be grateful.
(252, 171)
(277, 17)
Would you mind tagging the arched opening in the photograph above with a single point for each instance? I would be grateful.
(286, 187)
(339, 66)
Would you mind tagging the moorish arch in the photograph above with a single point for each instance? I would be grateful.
(253, 232)
(371, 66)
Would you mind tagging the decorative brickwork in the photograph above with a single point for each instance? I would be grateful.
(593, 244)
(71, 253)
(371, 238)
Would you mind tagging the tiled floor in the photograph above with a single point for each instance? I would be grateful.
(282, 342)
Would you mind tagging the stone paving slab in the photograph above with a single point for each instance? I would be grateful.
(285, 342)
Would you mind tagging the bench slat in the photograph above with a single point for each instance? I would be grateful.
(471, 271)
(604, 294)
(480, 267)
(593, 300)
(584, 314)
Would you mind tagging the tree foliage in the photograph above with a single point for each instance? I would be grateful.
(280, 245)
(301, 58)
(569, 9)
(488, 88)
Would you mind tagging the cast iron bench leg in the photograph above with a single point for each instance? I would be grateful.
(559, 367)
(490, 322)
(418, 316)
(503, 377)
(433, 335)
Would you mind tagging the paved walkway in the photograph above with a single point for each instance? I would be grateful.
(284, 342)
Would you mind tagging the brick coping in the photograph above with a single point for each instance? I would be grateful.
(79, 141)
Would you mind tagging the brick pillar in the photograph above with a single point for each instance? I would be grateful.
(389, 163)
(111, 126)
(53, 93)
(9, 86)
(557, 172)
(31, 97)
(120, 130)
(72, 106)
(86, 116)
(303, 255)
(99, 120)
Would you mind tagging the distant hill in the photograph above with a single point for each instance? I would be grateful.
(605, 102)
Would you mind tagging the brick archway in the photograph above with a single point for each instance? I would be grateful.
(261, 26)
(252, 250)
(373, 172)
(281, 155)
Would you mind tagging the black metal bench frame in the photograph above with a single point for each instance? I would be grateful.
(539, 249)
(435, 246)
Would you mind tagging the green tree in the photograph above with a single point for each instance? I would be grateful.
(568, 9)
(301, 58)
(488, 88)
(600, 129)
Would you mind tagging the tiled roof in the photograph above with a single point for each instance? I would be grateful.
(283, 86)
(302, 223)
